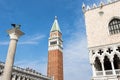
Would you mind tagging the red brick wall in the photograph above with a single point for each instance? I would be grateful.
(55, 64)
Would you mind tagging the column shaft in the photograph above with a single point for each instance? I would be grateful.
(10, 60)
(27, 78)
(23, 78)
(14, 77)
(19, 78)
(113, 69)
(103, 69)
(94, 72)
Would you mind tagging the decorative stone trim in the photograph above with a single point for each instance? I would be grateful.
(101, 5)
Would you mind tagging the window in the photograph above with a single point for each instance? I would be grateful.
(114, 26)
(53, 43)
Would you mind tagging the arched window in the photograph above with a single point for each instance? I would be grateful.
(107, 64)
(114, 26)
(116, 62)
(98, 65)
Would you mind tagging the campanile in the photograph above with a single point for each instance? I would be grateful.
(55, 52)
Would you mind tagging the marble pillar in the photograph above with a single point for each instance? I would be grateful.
(103, 69)
(93, 69)
(14, 34)
(14, 77)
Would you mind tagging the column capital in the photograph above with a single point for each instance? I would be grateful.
(23, 77)
(111, 60)
(14, 75)
(102, 61)
(15, 33)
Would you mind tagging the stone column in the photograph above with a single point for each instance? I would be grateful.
(28, 79)
(19, 77)
(53, 78)
(103, 69)
(14, 77)
(93, 68)
(23, 78)
(14, 34)
(113, 69)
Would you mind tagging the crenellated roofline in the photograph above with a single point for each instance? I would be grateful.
(86, 8)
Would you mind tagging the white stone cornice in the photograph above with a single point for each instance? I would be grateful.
(55, 48)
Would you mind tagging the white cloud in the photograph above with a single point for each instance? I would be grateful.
(76, 62)
(76, 57)
(38, 65)
(34, 39)
(28, 40)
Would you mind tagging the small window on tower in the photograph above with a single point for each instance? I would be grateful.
(53, 43)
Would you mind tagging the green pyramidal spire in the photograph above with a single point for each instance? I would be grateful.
(55, 26)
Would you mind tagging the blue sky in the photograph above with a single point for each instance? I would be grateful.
(36, 18)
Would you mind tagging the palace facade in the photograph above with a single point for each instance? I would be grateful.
(103, 35)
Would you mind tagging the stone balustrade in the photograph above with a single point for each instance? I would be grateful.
(108, 72)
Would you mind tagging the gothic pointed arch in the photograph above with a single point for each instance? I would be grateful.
(25, 78)
(107, 63)
(98, 64)
(94, 57)
(116, 61)
(106, 54)
(16, 77)
(117, 52)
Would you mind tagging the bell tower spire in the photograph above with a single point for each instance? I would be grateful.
(55, 52)
(55, 26)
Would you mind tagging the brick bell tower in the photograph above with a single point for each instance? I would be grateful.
(55, 52)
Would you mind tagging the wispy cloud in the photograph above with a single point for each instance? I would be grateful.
(38, 65)
(76, 62)
(34, 39)
(4, 43)
(28, 40)
(76, 57)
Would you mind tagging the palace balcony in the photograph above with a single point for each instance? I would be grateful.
(108, 72)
